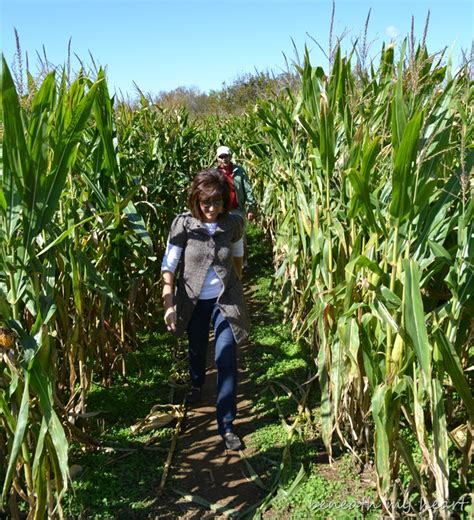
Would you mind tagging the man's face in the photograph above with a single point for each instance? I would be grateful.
(223, 160)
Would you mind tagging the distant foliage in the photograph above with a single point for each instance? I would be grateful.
(233, 99)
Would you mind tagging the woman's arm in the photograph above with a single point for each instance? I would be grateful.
(168, 267)
(168, 303)
(238, 254)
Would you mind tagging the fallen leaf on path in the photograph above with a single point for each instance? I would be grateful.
(160, 415)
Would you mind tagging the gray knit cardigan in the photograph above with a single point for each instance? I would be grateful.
(201, 251)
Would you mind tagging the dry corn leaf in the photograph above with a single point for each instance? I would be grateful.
(88, 415)
(160, 415)
(459, 436)
(7, 338)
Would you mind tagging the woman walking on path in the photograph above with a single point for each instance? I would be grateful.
(208, 242)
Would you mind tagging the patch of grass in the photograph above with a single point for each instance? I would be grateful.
(321, 490)
(266, 445)
(120, 479)
(320, 497)
(114, 484)
(268, 437)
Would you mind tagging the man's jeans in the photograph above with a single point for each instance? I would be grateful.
(205, 312)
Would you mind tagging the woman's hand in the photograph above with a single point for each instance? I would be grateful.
(170, 318)
(168, 301)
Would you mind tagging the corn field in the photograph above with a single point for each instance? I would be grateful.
(365, 184)
(77, 263)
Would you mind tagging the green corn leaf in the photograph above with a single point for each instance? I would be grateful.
(363, 261)
(403, 178)
(65, 155)
(11, 204)
(6, 412)
(15, 153)
(440, 252)
(300, 478)
(66, 233)
(348, 331)
(414, 318)
(380, 412)
(38, 149)
(101, 199)
(465, 282)
(335, 80)
(39, 473)
(452, 365)
(137, 224)
(3, 200)
(39, 453)
(384, 314)
(389, 297)
(360, 180)
(42, 385)
(327, 138)
(14, 133)
(95, 281)
(399, 109)
(372, 369)
(310, 129)
(21, 424)
(61, 477)
(435, 216)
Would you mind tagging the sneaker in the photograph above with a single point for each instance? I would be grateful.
(232, 442)
(194, 395)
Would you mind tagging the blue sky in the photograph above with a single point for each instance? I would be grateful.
(161, 44)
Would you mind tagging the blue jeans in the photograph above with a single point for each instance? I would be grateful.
(205, 312)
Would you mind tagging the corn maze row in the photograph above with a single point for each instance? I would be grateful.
(364, 179)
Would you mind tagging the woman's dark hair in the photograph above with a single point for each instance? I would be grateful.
(208, 184)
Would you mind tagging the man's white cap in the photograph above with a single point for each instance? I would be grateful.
(223, 150)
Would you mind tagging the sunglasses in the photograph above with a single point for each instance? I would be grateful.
(217, 203)
(224, 156)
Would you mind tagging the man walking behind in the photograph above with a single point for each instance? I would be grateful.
(242, 201)
(242, 198)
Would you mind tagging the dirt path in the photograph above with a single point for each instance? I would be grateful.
(202, 465)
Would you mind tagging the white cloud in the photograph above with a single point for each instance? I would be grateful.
(392, 32)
